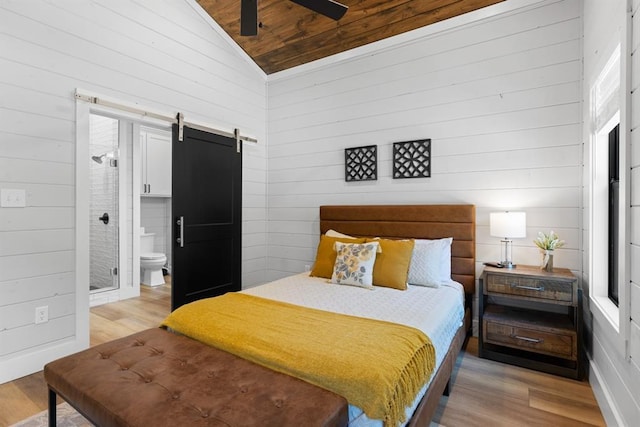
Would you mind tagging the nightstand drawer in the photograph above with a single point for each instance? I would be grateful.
(549, 343)
(538, 288)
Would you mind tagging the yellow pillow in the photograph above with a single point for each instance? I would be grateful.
(392, 263)
(326, 255)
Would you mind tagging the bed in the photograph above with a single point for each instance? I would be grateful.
(377, 228)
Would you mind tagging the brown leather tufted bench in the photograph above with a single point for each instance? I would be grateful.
(157, 378)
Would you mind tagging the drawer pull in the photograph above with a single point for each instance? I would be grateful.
(529, 288)
(527, 339)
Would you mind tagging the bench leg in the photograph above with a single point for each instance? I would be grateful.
(52, 408)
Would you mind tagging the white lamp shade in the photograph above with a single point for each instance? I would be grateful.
(508, 224)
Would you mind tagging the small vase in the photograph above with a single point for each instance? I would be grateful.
(547, 261)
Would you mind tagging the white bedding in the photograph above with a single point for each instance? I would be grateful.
(438, 312)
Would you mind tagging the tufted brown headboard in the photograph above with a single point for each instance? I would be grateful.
(413, 221)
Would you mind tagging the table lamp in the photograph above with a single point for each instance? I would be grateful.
(507, 225)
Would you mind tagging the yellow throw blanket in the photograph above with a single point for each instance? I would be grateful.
(377, 366)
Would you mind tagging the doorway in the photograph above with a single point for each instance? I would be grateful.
(120, 211)
(109, 219)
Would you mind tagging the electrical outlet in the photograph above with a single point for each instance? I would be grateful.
(13, 198)
(42, 314)
(307, 267)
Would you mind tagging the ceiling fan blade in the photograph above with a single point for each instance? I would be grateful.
(249, 17)
(330, 8)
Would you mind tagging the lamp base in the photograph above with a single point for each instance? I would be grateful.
(506, 254)
(506, 264)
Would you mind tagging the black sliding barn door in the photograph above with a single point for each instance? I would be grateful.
(207, 215)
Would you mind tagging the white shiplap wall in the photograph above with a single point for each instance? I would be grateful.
(635, 202)
(632, 375)
(500, 99)
(614, 376)
(163, 55)
(635, 187)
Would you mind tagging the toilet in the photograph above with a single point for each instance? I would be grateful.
(151, 263)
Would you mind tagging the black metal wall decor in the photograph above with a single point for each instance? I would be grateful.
(412, 159)
(361, 163)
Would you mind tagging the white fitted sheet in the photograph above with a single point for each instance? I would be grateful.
(438, 312)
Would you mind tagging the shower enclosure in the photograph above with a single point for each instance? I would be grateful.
(103, 203)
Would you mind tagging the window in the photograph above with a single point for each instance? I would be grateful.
(614, 212)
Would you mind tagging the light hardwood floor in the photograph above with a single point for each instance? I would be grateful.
(485, 393)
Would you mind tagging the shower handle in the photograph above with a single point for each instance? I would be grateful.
(104, 218)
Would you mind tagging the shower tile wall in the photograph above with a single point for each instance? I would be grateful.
(103, 198)
(155, 217)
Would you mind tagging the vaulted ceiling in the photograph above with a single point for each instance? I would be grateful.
(291, 35)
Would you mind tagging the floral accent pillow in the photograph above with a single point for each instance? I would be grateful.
(354, 264)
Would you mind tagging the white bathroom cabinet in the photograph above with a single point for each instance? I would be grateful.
(155, 153)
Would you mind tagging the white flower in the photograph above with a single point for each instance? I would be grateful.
(548, 242)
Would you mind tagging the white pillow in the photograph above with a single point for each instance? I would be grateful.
(430, 262)
(334, 233)
(354, 264)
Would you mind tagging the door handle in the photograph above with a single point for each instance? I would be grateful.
(180, 239)
(104, 218)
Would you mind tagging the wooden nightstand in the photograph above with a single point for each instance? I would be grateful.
(531, 318)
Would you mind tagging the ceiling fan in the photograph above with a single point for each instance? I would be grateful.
(249, 12)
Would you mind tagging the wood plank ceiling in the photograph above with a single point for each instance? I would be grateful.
(291, 35)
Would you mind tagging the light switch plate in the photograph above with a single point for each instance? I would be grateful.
(13, 198)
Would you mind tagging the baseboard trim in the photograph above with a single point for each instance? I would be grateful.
(603, 397)
(27, 364)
